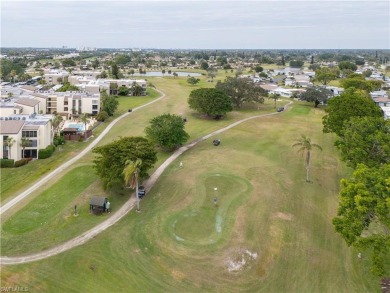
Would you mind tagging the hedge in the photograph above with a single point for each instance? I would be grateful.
(6, 163)
(46, 153)
(22, 162)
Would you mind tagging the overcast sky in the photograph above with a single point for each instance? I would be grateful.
(197, 24)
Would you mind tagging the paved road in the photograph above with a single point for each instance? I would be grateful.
(79, 240)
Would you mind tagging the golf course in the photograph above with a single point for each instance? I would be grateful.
(238, 217)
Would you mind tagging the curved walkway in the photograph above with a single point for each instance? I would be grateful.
(79, 240)
(61, 168)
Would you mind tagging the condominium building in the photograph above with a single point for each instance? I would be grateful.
(37, 129)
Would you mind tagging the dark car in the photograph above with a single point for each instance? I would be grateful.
(281, 109)
(141, 191)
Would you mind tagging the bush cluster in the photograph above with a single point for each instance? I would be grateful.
(6, 163)
(22, 162)
(46, 153)
(58, 140)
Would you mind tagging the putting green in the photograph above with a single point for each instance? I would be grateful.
(206, 220)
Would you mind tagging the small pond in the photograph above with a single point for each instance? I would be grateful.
(159, 73)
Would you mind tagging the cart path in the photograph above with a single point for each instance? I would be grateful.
(128, 206)
(61, 168)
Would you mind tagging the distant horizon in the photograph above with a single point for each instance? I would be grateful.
(185, 25)
(229, 49)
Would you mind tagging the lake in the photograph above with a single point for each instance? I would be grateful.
(159, 73)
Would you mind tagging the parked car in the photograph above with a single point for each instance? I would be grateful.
(141, 191)
(281, 109)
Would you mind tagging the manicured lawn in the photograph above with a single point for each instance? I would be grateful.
(49, 218)
(14, 180)
(271, 231)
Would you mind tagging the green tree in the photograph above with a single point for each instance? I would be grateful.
(296, 63)
(131, 72)
(115, 71)
(103, 74)
(123, 91)
(204, 65)
(24, 143)
(210, 101)
(84, 119)
(211, 72)
(259, 69)
(9, 142)
(351, 103)
(365, 140)
(358, 82)
(110, 159)
(108, 103)
(325, 74)
(363, 215)
(274, 97)
(136, 89)
(95, 64)
(102, 116)
(316, 95)
(192, 80)
(163, 72)
(346, 65)
(130, 174)
(241, 91)
(68, 62)
(305, 146)
(66, 86)
(167, 131)
(56, 121)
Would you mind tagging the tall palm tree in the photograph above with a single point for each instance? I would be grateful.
(130, 173)
(9, 142)
(84, 119)
(56, 121)
(305, 145)
(274, 97)
(25, 142)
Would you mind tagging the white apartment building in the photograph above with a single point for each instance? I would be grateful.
(36, 128)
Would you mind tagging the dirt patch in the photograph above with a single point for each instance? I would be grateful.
(177, 275)
(240, 259)
(283, 216)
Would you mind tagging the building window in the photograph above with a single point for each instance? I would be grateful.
(94, 112)
(33, 143)
(95, 102)
(26, 133)
(66, 109)
(94, 107)
(66, 103)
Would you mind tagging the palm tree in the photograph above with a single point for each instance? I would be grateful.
(9, 142)
(305, 144)
(274, 97)
(57, 119)
(84, 119)
(25, 142)
(136, 89)
(130, 173)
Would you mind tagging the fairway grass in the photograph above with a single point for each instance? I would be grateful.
(50, 219)
(276, 233)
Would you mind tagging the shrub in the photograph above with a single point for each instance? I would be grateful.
(102, 116)
(21, 162)
(46, 153)
(58, 140)
(6, 163)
